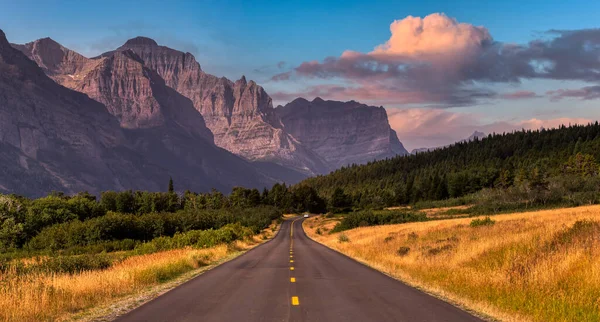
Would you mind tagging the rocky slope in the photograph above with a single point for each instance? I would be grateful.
(72, 143)
(240, 114)
(341, 132)
(303, 138)
(52, 138)
(65, 66)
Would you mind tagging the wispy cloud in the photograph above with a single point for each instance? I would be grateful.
(585, 93)
(518, 95)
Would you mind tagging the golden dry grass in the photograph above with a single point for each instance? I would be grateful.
(537, 266)
(51, 297)
(441, 212)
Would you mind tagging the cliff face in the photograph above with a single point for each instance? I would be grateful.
(67, 141)
(341, 132)
(240, 114)
(52, 138)
(65, 66)
(165, 102)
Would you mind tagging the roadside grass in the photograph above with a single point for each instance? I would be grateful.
(52, 296)
(530, 266)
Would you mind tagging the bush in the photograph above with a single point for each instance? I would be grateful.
(342, 238)
(115, 227)
(403, 251)
(74, 264)
(371, 218)
(438, 250)
(196, 238)
(487, 221)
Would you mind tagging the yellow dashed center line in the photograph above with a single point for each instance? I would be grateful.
(295, 300)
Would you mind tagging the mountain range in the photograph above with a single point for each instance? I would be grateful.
(135, 116)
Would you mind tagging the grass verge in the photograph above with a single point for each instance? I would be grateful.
(100, 294)
(536, 266)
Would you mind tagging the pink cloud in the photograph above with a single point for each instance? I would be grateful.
(377, 95)
(585, 93)
(518, 95)
(418, 128)
(435, 37)
(449, 62)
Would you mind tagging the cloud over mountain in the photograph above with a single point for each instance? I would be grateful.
(440, 61)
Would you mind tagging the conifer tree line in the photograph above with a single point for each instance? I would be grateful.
(530, 160)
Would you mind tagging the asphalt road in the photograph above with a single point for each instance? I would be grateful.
(292, 278)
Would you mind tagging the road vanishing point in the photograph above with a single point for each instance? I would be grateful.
(293, 278)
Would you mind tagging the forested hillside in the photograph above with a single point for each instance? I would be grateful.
(538, 164)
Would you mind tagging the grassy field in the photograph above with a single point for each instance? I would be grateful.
(52, 296)
(535, 266)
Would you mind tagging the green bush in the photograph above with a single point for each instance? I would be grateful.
(487, 221)
(196, 238)
(374, 218)
(74, 264)
(105, 230)
(342, 238)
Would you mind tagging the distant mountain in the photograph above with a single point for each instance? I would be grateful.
(472, 137)
(239, 114)
(53, 138)
(342, 133)
(475, 135)
(75, 144)
(179, 118)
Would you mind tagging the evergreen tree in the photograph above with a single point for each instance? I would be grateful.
(171, 189)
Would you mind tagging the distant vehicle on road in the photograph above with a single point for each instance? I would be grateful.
(305, 215)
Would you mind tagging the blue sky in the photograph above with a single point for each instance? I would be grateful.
(231, 38)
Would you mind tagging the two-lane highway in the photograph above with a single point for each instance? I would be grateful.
(292, 278)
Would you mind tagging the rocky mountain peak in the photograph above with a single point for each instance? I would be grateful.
(141, 41)
(476, 135)
(128, 54)
(341, 132)
(3, 42)
(54, 138)
(299, 100)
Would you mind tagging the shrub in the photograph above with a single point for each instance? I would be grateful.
(487, 221)
(116, 226)
(318, 231)
(403, 251)
(413, 236)
(371, 218)
(342, 238)
(437, 250)
(196, 238)
(72, 264)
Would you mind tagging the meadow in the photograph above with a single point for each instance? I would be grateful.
(530, 266)
(45, 295)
